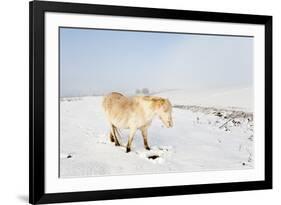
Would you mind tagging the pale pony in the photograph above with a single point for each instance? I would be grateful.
(135, 113)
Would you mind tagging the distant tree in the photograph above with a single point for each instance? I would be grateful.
(138, 91)
(145, 91)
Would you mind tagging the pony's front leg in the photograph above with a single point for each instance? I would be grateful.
(144, 135)
(131, 137)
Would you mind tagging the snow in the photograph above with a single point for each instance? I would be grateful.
(204, 138)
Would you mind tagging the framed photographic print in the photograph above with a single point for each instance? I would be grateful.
(141, 102)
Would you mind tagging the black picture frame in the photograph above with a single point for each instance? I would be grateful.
(37, 194)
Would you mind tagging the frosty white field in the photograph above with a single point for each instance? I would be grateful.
(212, 131)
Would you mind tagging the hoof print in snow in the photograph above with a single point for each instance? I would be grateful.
(153, 157)
(218, 114)
(66, 156)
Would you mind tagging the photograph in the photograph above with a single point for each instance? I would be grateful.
(135, 102)
(132, 102)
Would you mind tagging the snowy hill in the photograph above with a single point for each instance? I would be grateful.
(236, 98)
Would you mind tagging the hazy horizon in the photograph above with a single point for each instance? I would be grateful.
(98, 61)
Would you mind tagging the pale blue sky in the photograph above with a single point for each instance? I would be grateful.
(98, 61)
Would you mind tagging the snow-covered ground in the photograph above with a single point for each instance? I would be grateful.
(210, 133)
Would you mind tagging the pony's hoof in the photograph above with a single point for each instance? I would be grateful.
(117, 144)
(128, 150)
(147, 148)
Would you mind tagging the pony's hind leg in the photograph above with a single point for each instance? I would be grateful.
(113, 135)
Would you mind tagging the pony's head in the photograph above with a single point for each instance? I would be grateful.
(163, 108)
